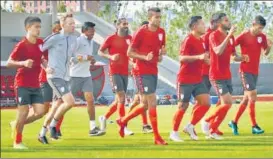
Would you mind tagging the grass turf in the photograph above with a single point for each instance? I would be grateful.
(76, 142)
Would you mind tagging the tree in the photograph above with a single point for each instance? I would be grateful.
(61, 8)
(19, 9)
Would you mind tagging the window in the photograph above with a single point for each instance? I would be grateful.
(41, 3)
(47, 10)
(35, 3)
(47, 3)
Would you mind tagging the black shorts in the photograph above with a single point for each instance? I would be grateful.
(47, 92)
(146, 84)
(184, 91)
(249, 81)
(119, 82)
(222, 87)
(28, 96)
(207, 82)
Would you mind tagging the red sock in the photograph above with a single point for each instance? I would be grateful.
(220, 117)
(135, 112)
(58, 126)
(121, 109)
(111, 110)
(214, 114)
(153, 120)
(252, 112)
(177, 119)
(19, 137)
(240, 111)
(198, 113)
(144, 118)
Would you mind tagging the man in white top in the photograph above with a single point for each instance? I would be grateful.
(81, 79)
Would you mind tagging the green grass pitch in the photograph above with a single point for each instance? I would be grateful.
(77, 144)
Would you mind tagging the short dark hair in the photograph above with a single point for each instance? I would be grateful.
(30, 20)
(118, 21)
(144, 23)
(218, 17)
(260, 20)
(214, 17)
(87, 25)
(193, 20)
(153, 9)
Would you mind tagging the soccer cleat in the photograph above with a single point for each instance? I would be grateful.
(174, 136)
(257, 130)
(121, 127)
(189, 129)
(42, 139)
(218, 132)
(216, 136)
(146, 129)
(102, 121)
(234, 127)
(53, 133)
(160, 141)
(19, 146)
(128, 132)
(59, 134)
(12, 126)
(205, 127)
(96, 132)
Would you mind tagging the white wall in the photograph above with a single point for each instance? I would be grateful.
(12, 24)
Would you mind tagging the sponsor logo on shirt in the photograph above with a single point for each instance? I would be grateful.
(259, 39)
(160, 36)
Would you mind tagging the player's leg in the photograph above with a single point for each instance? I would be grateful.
(135, 102)
(60, 86)
(225, 89)
(201, 95)
(23, 100)
(183, 95)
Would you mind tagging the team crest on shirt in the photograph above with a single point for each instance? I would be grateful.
(128, 41)
(259, 39)
(160, 36)
(146, 89)
(231, 42)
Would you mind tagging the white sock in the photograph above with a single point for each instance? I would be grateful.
(53, 123)
(43, 131)
(92, 124)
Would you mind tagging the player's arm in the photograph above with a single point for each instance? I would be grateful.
(268, 48)
(238, 58)
(132, 53)
(219, 49)
(44, 63)
(48, 42)
(192, 58)
(14, 59)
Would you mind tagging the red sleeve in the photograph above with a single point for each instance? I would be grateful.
(239, 40)
(164, 38)
(17, 52)
(213, 40)
(185, 47)
(233, 45)
(106, 44)
(137, 38)
(264, 42)
(206, 41)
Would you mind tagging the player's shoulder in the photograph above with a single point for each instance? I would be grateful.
(53, 36)
(161, 30)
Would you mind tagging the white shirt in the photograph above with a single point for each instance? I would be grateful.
(84, 47)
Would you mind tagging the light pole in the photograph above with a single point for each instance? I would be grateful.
(54, 11)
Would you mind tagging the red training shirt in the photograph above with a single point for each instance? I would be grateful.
(205, 67)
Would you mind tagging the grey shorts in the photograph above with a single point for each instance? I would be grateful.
(146, 84)
(83, 84)
(59, 86)
(47, 92)
(119, 82)
(184, 91)
(28, 96)
(222, 87)
(249, 81)
(207, 82)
